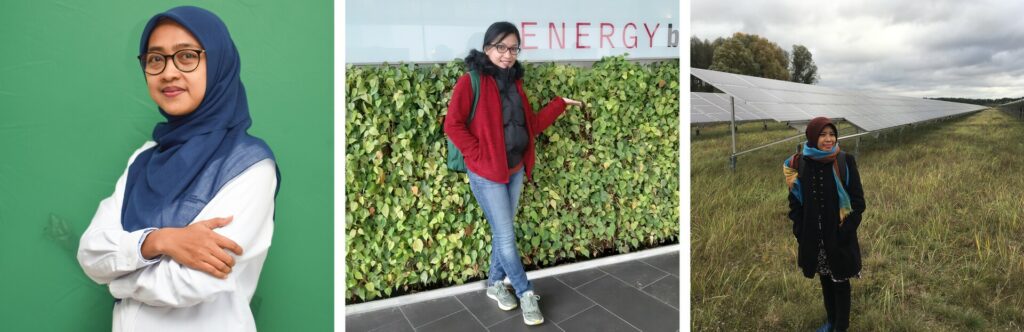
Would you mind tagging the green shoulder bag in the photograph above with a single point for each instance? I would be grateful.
(456, 161)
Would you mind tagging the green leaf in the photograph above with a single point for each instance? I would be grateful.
(599, 171)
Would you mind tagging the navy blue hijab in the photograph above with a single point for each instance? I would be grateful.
(196, 154)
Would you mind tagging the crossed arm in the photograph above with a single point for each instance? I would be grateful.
(184, 266)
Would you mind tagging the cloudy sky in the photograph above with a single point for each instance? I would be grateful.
(972, 49)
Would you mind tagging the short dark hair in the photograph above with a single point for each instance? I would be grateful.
(498, 31)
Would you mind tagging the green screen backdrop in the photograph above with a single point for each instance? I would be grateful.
(73, 107)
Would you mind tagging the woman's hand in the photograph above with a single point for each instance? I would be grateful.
(572, 102)
(196, 246)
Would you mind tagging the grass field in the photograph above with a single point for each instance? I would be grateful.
(942, 237)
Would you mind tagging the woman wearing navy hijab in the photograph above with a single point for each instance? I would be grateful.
(183, 238)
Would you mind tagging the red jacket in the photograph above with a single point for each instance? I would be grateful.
(482, 141)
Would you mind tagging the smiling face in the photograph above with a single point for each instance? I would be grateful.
(177, 93)
(827, 139)
(503, 60)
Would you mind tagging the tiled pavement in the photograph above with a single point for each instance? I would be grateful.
(639, 295)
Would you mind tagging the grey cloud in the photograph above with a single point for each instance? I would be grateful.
(923, 49)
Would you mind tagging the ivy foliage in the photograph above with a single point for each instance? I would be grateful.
(606, 178)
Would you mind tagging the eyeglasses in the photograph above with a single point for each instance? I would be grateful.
(186, 61)
(502, 49)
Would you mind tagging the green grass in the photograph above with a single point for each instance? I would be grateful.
(941, 239)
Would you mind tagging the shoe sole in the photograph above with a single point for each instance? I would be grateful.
(495, 298)
(541, 321)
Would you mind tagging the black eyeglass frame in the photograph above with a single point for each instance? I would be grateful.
(498, 47)
(142, 61)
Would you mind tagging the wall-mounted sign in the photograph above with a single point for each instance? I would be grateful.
(439, 31)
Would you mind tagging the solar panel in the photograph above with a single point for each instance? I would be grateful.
(784, 112)
(708, 107)
(785, 101)
(1013, 107)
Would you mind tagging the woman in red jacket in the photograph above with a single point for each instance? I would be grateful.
(498, 148)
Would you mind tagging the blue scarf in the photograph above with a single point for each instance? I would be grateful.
(196, 154)
(793, 180)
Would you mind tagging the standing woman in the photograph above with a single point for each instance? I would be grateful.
(498, 148)
(826, 202)
(183, 238)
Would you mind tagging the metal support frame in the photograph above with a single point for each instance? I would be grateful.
(732, 127)
(857, 134)
(856, 148)
(737, 154)
(732, 158)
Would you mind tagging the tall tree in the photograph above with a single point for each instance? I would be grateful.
(804, 69)
(701, 54)
(733, 57)
(752, 55)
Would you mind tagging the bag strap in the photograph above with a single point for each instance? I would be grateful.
(475, 78)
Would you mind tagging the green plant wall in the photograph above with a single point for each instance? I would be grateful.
(73, 107)
(606, 178)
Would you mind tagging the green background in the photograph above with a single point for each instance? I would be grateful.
(74, 106)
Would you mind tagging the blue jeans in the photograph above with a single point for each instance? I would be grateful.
(499, 202)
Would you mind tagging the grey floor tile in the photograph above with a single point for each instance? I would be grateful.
(486, 309)
(668, 262)
(426, 312)
(460, 321)
(516, 324)
(642, 294)
(558, 301)
(596, 319)
(575, 279)
(666, 290)
(635, 273)
(380, 320)
(631, 304)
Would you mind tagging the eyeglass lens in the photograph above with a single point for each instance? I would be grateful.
(184, 60)
(502, 48)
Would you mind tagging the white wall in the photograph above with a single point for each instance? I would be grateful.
(439, 31)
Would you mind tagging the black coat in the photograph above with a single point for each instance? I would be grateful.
(818, 188)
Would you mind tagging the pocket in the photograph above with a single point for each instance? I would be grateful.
(844, 233)
(480, 156)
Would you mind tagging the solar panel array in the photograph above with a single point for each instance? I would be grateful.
(785, 101)
(1016, 106)
(706, 107)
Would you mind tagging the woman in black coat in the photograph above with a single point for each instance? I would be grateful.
(826, 202)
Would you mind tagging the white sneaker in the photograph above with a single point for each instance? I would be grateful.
(531, 309)
(498, 292)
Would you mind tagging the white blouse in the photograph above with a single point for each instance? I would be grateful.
(163, 295)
